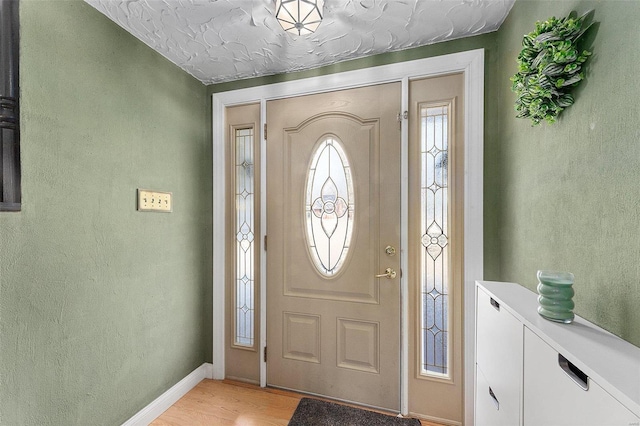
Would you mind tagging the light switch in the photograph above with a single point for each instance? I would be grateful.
(154, 201)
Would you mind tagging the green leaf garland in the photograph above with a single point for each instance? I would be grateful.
(549, 66)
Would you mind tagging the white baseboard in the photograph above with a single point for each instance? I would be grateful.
(167, 399)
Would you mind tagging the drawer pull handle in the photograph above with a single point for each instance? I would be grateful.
(495, 303)
(493, 397)
(574, 373)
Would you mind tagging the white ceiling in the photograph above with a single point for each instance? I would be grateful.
(224, 40)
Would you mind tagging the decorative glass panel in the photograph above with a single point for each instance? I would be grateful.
(244, 232)
(329, 207)
(434, 279)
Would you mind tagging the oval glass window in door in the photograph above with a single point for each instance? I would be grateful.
(329, 206)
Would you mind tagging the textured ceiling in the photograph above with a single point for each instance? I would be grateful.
(224, 40)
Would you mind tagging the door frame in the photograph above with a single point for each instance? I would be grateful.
(471, 63)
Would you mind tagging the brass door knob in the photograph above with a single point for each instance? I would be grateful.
(388, 273)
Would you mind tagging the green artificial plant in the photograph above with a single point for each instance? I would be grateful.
(549, 67)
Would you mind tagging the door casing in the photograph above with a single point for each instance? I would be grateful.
(471, 63)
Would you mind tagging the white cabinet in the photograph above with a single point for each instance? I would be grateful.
(489, 411)
(534, 372)
(498, 362)
(556, 392)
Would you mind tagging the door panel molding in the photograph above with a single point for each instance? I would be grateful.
(301, 337)
(352, 333)
(363, 130)
(471, 63)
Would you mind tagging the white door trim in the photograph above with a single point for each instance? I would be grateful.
(472, 64)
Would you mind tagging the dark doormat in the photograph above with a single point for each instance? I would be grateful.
(314, 412)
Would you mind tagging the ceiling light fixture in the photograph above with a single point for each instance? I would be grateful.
(300, 17)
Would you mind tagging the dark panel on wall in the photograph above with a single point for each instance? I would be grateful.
(10, 192)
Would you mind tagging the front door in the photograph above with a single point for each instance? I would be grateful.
(333, 258)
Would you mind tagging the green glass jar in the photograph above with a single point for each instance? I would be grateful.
(555, 290)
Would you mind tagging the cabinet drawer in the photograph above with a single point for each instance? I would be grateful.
(490, 411)
(555, 394)
(499, 352)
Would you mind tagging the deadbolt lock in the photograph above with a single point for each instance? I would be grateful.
(390, 250)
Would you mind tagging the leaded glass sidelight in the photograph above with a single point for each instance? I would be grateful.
(244, 228)
(329, 206)
(434, 258)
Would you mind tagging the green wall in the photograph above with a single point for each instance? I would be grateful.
(569, 193)
(102, 308)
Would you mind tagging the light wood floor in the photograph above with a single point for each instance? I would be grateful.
(214, 402)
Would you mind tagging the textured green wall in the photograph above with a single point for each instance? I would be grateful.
(569, 193)
(486, 42)
(102, 308)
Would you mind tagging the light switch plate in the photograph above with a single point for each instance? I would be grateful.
(154, 201)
